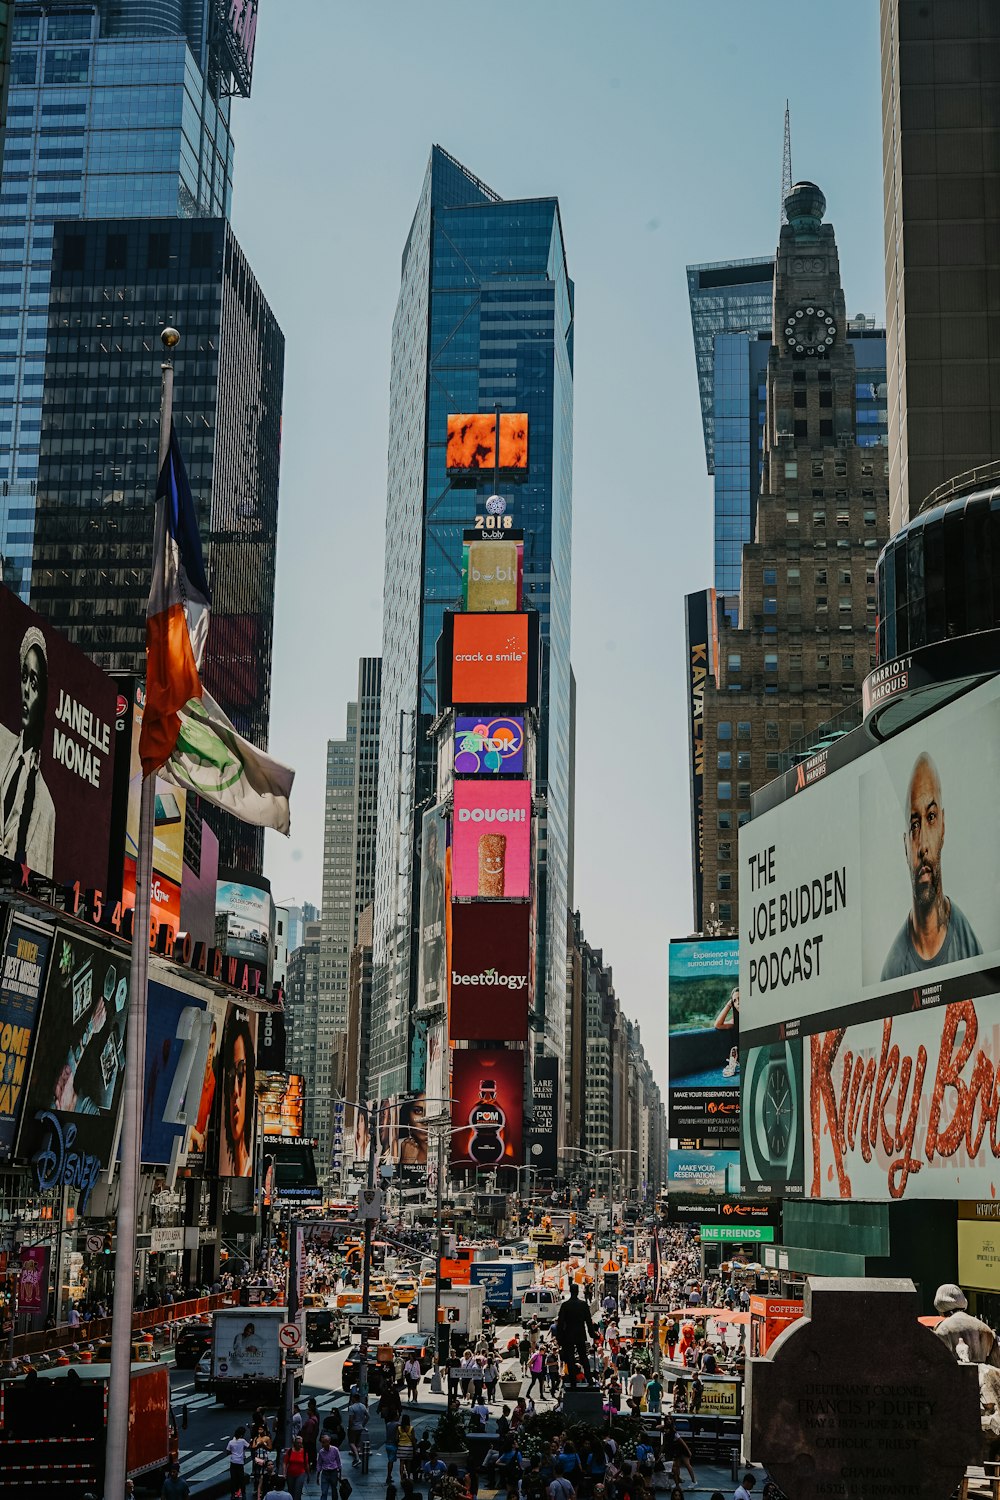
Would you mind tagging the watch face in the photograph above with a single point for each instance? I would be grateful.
(771, 1112)
(810, 330)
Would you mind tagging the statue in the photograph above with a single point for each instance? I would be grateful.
(957, 1324)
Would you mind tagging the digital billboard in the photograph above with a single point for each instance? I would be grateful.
(57, 745)
(704, 1017)
(490, 972)
(543, 1135)
(25, 963)
(472, 441)
(205, 1083)
(432, 954)
(492, 572)
(491, 839)
(489, 659)
(175, 1063)
(76, 1075)
(244, 920)
(239, 1093)
(488, 747)
(282, 1103)
(712, 1173)
(487, 1088)
(870, 970)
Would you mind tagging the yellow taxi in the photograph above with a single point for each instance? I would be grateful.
(404, 1290)
(381, 1299)
(351, 1300)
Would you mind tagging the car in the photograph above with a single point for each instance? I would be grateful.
(203, 1373)
(577, 1247)
(352, 1364)
(142, 1352)
(404, 1290)
(192, 1342)
(408, 1344)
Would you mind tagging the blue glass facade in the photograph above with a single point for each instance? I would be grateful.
(484, 318)
(114, 111)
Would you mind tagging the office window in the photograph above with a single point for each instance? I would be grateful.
(743, 729)
(792, 517)
(771, 729)
(846, 604)
(822, 661)
(847, 661)
(771, 606)
(770, 661)
(724, 881)
(724, 730)
(845, 575)
(821, 602)
(724, 761)
(825, 427)
(743, 790)
(791, 469)
(725, 913)
(772, 760)
(724, 791)
(819, 517)
(821, 575)
(725, 853)
(792, 577)
(743, 760)
(735, 661)
(724, 820)
(770, 575)
(843, 518)
(801, 429)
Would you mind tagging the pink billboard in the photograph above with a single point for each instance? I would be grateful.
(491, 839)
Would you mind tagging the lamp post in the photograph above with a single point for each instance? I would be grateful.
(597, 1156)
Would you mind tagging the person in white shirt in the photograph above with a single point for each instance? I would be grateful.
(637, 1385)
(237, 1448)
(743, 1490)
(411, 1374)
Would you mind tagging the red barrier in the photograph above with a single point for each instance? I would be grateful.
(99, 1329)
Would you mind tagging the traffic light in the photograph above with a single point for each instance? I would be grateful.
(109, 1243)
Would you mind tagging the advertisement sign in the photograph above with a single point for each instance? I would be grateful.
(737, 1233)
(488, 1102)
(704, 1015)
(489, 747)
(175, 1049)
(282, 1103)
(543, 1136)
(57, 720)
(491, 839)
(492, 572)
(870, 969)
(33, 1279)
(25, 961)
(979, 1254)
(411, 1140)
(435, 865)
(244, 920)
(489, 659)
(239, 1095)
(78, 1067)
(712, 1173)
(208, 1068)
(168, 833)
(472, 441)
(490, 969)
(700, 632)
(247, 1349)
(271, 1042)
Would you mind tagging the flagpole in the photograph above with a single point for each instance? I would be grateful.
(135, 1059)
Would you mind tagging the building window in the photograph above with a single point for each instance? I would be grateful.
(792, 578)
(724, 881)
(724, 730)
(725, 913)
(822, 661)
(770, 661)
(821, 575)
(725, 853)
(825, 427)
(743, 760)
(846, 604)
(770, 575)
(845, 576)
(735, 661)
(725, 791)
(826, 398)
(743, 729)
(869, 518)
(743, 790)
(801, 429)
(847, 661)
(724, 761)
(791, 469)
(795, 661)
(773, 760)
(819, 517)
(792, 517)
(800, 399)
(771, 729)
(771, 606)
(724, 820)
(821, 602)
(840, 468)
(843, 518)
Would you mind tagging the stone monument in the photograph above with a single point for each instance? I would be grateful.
(857, 1400)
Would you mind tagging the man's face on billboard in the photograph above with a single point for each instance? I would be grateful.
(925, 835)
(32, 696)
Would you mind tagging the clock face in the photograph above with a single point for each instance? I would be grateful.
(810, 330)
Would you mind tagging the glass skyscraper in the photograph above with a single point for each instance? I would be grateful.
(117, 108)
(484, 319)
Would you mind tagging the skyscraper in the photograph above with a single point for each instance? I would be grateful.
(805, 636)
(348, 883)
(484, 319)
(941, 180)
(119, 108)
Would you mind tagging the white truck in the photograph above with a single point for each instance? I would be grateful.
(463, 1307)
(248, 1362)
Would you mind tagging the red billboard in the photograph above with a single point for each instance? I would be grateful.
(487, 1089)
(490, 662)
(491, 839)
(490, 972)
(472, 440)
(57, 747)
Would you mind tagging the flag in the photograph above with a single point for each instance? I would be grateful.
(185, 736)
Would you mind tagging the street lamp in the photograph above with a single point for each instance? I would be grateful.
(597, 1156)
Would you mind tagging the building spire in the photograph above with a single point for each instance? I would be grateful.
(786, 166)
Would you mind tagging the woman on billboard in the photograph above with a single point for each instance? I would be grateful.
(238, 1096)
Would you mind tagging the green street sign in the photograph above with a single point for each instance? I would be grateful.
(732, 1233)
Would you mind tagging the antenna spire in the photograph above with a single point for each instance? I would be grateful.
(786, 165)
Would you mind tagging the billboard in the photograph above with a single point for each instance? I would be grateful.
(175, 1052)
(244, 920)
(282, 1103)
(75, 1082)
(870, 970)
(432, 956)
(711, 1173)
(272, 1042)
(487, 1089)
(704, 1015)
(239, 1094)
(25, 962)
(207, 1068)
(472, 441)
(411, 1141)
(491, 839)
(168, 832)
(490, 972)
(488, 659)
(543, 1134)
(492, 572)
(700, 610)
(57, 722)
(489, 747)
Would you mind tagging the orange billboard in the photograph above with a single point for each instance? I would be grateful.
(490, 659)
(472, 440)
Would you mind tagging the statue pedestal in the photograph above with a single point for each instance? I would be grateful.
(584, 1405)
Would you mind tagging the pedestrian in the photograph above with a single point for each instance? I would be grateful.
(411, 1374)
(238, 1448)
(654, 1392)
(174, 1487)
(329, 1468)
(524, 1352)
(296, 1467)
(637, 1385)
(391, 1435)
(676, 1452)
(743, 1490)
(405, 1449)
(357, 1425)
(553, 1370)
(536, 1365)
(491, 1374)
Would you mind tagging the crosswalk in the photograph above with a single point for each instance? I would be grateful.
(208, 1465)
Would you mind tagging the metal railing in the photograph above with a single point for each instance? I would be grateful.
(980, 478)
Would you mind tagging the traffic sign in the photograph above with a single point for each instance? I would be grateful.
(365, 1322)
(289, 1335)
(369, 1203)
(95, 1243)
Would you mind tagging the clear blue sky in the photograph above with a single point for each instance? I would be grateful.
(659, 127)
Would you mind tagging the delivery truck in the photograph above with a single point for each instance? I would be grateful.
(504, 1282)
(462, 1307)
(248, 1362)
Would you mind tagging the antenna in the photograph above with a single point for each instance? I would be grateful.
(786, 165)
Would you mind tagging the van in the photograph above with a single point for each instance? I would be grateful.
(540, 1302)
